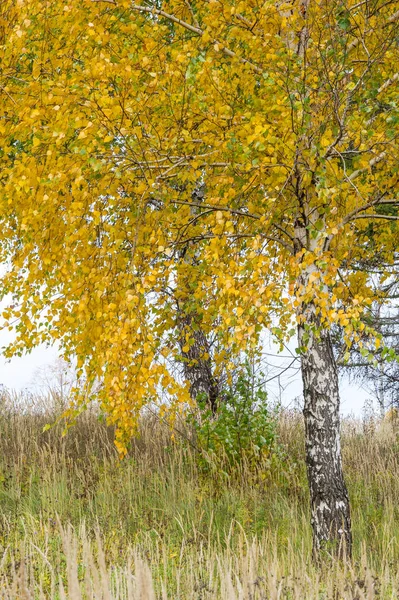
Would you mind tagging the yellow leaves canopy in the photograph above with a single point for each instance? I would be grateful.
(259, 138)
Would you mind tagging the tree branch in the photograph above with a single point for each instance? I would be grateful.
(215, 207)
(388, 82)
(394, 17)
(197, 30)
(374, 161)
(386, 217)
(356, 211)
(162, 13)
(210, 236)
(190, 8)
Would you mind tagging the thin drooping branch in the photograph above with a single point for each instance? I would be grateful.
(386, 217)
(378, 202)
(210, 236)
(162, 13)
(388, 82)
(393, 18)
(194, 29)
(374, 161)
(190, 8)
(218, 207)
(354, 214)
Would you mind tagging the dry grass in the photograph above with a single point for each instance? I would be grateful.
(252, 571)
(75, 523)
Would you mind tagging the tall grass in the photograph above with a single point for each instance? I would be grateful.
(75, 522)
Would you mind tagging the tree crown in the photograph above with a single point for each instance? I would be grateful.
(114, 115)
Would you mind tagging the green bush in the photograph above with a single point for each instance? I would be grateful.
(243, 431)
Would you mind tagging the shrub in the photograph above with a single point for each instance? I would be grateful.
(243, 431)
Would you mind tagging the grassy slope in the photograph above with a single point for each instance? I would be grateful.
(167, 531)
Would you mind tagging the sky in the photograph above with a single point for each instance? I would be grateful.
(284, 386)
(284, 383)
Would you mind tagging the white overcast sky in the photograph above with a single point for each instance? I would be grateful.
(22, 373)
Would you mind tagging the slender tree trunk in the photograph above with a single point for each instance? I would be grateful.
(328, 494)
(198, 367)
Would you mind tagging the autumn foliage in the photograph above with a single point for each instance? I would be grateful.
(112, 114)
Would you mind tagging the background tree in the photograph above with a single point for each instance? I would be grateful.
(377, 372)
(376, 369)
(112, 111)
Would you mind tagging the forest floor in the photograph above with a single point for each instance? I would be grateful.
(77, 523)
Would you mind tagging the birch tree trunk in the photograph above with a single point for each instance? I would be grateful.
(328, 494)
(198, 366)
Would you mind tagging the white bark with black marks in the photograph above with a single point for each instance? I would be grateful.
(330, 511)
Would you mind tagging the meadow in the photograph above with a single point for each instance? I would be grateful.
(78, 523)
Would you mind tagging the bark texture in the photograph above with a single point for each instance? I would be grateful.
(198, 364)
(198, 367)
(331, 521)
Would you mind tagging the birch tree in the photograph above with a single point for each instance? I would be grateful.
(111, 113)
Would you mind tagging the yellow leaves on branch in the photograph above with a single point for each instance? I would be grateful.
(230, 160)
